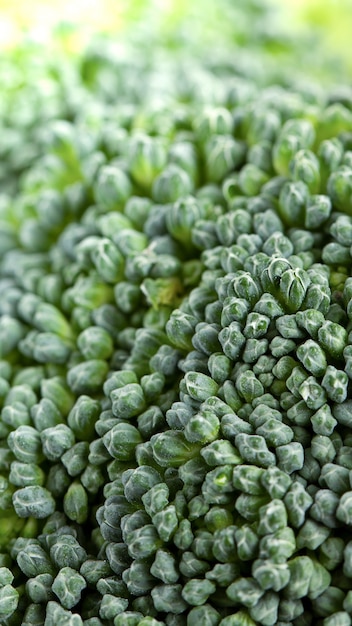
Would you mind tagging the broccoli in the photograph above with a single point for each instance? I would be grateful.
(176, 357)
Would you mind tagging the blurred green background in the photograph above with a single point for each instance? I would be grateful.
(311, 35)
(330, 21)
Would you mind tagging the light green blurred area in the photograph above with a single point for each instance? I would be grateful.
(324, 25)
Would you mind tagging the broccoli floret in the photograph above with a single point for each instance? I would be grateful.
(176, 353)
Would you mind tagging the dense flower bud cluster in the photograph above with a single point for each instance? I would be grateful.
(176, 357)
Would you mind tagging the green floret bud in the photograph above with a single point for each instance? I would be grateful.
(312, 535)
(344, 509)
(76, 503)
(76, 459)
(165, 567)
(273, 272)
(199, 386)
(168, 598)
(87, 377)
(217, 485)
(49, 319)
(49, 348)
(336, 254)
(223, 154)
(205, 614)
(266, 609)
(297, 501)
(274, 433)
(171, 184)
(196, 591)
(111, 606)
(65, 551)
(217, 518)
(296, 134)
(6, 576)
(26, 474)
(184, 154)
(56, 440)
(335, 382)
(292, 203)
(256, 325)
(301, 572)
(183, 537)
(246, 478)
(138, 481)
(112, 188)
(56, 614)
(304, 166)
(254, 349)
(247, 542)
(253, 450)
(9, 598)
(108, 261)
(219, 366)
(243, 285)
(240, 618)
(232, 340)
(33, 501)
(33, 560)
(323, 423)
(83, 417)
(171, 448)
(214, 120)
(202, 427)
(11, 332)
(269, 306)
(322, 449)
(341, 230)
(56, 390)
(294, 284)
(339, 189)
(128, 401)
(278, 245)
(333, 338)
(220, 452)
(229, 227)
(342, 412)
(182, 216)
(127, 296)
(166, 522)
(251, 179)
(278, 546)
(248, 386)
(180, 329)
(245, 591)
(311, 321)
(335, 477)
(147, 157)
(299, 414)
(290, 457)
(95, 343)
(25, 443)
(312, 357)
(312, 393)
(339, 618)
(68, 586)
(319, 581)
(234, 310)
(121, 441)
(271, 575)
(318, 210)
(272, 517)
